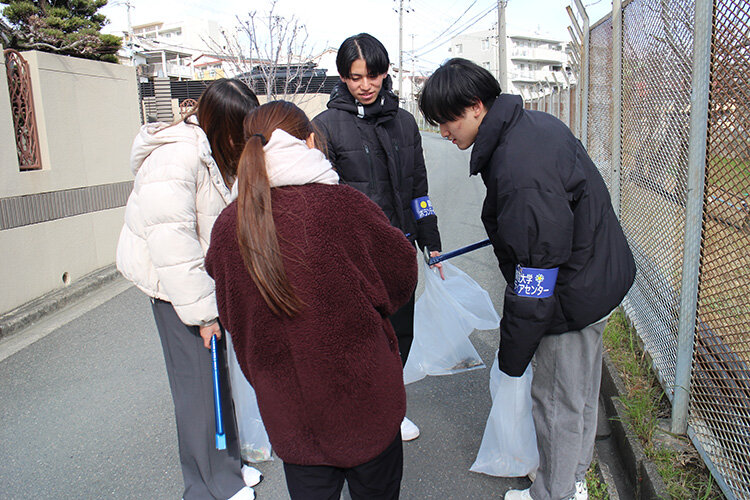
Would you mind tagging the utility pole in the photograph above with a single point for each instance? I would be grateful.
(412, 66)
(400, 46)
(129, 6)
(502, 56)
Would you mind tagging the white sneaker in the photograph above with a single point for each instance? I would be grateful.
(409, 431)
(245, 493)
(518, 495)
(251, 475)
(582, 491)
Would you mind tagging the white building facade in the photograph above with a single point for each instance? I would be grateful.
(535, 63)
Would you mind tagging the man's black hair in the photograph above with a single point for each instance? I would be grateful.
(362, 46)
(453, 87)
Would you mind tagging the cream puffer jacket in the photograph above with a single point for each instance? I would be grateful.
(177, 195)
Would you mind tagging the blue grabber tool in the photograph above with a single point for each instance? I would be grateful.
(221, 438)
(455, 253)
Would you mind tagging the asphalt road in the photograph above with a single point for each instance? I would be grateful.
(85, 409)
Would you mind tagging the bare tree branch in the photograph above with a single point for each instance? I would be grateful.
(273, 49)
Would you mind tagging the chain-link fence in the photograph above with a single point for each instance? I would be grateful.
(412, 106)
(720, 402)
(680, 62)
(557, 100)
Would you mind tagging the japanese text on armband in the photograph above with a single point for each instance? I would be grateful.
(422, 207)
(532, 282)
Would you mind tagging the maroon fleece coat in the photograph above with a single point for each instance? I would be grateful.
(329, 380)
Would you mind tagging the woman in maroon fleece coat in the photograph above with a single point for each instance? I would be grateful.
(307, 272)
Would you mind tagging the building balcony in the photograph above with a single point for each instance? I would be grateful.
(538, 55)
(173, 70)
(532, 76)
(524, 76)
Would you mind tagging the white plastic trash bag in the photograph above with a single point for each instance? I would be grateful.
(508, 446)
(444, 316)
(254, 443)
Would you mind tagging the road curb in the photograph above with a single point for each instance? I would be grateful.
(639, 470)
(32, 311)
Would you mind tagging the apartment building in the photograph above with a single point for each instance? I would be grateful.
(535, 62)
(196, 36)
(168, 49)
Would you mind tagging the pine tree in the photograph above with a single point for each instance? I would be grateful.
(70, 27)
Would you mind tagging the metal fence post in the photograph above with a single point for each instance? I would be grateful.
(614, 182)
(693, 211)
(585, 59)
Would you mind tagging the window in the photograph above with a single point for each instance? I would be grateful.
(486, 44)
(459, 48)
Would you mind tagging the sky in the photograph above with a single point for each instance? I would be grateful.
(432, 22)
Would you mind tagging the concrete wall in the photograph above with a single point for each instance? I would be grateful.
(311, 104)
(64, 219)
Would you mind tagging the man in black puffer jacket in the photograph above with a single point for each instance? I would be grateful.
(561, 250)
(376, 148)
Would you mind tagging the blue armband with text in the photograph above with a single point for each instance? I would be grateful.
(533, 282)
(422, 207)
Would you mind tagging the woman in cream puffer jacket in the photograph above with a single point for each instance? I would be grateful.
(177, 195)
(182, 173)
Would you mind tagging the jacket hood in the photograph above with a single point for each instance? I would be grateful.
(153, 135)
(500, 118)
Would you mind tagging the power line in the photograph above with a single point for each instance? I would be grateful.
(448, 28)
(457, 31)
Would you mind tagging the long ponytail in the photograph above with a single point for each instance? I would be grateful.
(256, 230)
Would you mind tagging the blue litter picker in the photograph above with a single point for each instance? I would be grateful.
(455, 253)
(221, 438)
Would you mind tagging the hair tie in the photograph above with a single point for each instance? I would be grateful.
(263, 140)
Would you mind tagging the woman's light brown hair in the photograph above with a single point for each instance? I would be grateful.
(256, 231)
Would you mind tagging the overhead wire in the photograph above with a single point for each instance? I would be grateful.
(420, 52)
(448, 28)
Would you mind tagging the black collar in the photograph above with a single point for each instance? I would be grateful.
(502, 115)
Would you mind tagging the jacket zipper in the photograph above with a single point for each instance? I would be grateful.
(397, 161)
(372, 169)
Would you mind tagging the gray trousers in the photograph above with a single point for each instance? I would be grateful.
(208, 473)
(565, 395)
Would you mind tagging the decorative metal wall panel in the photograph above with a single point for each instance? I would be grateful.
(20, 211)
(22, 109)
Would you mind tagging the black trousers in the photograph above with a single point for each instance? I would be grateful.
(403, 324)
(378, 479)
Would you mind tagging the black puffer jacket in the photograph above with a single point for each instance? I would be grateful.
(377, 150)
(547, 206)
